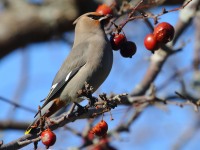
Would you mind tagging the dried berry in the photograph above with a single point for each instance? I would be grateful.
(128, 49)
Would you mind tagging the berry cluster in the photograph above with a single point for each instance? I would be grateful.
(118, 41)
(162, 34)
(100, 129)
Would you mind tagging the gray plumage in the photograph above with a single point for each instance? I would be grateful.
(92, 52)
(90, 60)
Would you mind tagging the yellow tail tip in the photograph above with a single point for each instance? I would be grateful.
(28, 131)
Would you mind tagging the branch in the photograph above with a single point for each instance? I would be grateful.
(157, 60)
(22, 84)
(138, 102)
(17, 105)
(61, 121)
(23, 23)
(13, 125)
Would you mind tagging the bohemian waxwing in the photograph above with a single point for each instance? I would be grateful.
(90, 60)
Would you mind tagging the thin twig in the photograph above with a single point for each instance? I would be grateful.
(17, 105)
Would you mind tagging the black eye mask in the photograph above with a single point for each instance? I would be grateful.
(95, 17)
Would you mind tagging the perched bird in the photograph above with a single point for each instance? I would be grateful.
(90, 60)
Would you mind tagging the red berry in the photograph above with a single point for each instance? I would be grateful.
(90, 136)
(48, 137)
(97, 147)
(100, 129)
(128, 49)
(150, 42)
(117, 40)
(164, 32)
(104, 9)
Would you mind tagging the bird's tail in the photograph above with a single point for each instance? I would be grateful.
(28, 130)
(31, 128)
(46, 111)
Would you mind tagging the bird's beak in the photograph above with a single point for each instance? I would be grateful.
(108, 16)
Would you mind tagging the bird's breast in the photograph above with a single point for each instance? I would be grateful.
(99, 59)
(100, 65)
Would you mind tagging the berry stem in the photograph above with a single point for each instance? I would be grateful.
(111, 117)
(102, 116)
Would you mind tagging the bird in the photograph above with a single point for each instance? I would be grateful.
(90, 60)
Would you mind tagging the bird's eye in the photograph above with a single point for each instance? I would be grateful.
(95, 17)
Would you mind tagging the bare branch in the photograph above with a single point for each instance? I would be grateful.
(23, 23)
(13, 125)
(139, 102)
(17, 105)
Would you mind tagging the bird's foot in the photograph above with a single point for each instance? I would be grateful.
(92, 100)
(86, 92)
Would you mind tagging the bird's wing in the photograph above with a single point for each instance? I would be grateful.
(74, 62)
(57, 87)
